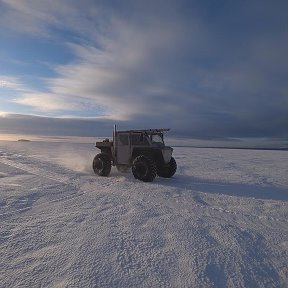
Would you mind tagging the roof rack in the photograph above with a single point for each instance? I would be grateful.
(159, 130)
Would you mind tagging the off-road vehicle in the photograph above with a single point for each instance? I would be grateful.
(142, 150)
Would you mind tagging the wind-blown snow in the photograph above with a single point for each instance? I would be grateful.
(220, 222)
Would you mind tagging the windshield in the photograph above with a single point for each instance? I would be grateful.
(157, 138)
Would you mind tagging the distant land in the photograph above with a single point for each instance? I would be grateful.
(248, 144)
(231, 147)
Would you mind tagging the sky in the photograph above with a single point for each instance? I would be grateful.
(206, 69)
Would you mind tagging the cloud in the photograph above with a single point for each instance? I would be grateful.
(51, 102)
(198, 68)
(41, 19)
(13, 83)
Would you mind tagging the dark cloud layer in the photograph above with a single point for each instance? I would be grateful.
(35, 125)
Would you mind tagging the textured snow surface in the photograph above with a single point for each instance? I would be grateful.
(220, 222)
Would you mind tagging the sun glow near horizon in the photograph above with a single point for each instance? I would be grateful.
(3, 114)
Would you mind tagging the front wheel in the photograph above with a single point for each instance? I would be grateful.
(102, 164)
(144, 168)
(167, 170)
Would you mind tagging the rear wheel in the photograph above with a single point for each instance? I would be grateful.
(167, 170)
(144, 168)
(102, 164)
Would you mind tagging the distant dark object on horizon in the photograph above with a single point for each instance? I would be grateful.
(23, 140)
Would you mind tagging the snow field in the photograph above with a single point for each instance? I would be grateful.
(220, 222)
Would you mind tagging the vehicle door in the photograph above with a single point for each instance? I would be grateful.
(123, 148)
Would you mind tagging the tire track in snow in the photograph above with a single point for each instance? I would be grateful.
(36, 171)
(235, 213)
(76, 183)
(179, 207)
(58, 177)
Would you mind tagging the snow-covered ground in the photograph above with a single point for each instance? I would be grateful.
(220, 222)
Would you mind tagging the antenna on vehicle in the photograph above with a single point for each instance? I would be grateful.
(114, 140)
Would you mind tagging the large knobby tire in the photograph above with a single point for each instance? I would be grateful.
(144, 168)
(102, 164)
(167, 170)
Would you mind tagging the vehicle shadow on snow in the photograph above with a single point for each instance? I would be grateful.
(232, 189)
